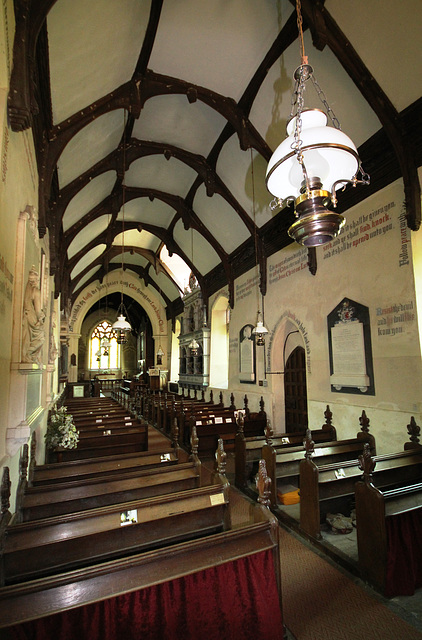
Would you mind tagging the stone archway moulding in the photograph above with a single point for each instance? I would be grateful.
(131, 286)
(289, 315)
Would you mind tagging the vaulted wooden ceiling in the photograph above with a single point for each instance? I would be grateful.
(165, 109)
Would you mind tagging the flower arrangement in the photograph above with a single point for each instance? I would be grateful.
(61, 430)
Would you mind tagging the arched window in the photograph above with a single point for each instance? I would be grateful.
(219, 364)
(175, 356)
(104, 352)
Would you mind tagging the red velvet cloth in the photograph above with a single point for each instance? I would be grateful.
(404, 553)
(235, 600)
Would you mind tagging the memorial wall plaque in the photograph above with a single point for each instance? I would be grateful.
(247, 355)
(349, 338)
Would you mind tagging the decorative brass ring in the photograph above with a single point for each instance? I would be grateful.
(309, 147)
(315, 193)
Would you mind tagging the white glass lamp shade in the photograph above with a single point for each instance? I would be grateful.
(328, 154)
(259, 330)
(122, 324)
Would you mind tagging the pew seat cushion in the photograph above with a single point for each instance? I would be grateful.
(288, 494)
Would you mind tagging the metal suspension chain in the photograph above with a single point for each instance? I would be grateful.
(321, 95)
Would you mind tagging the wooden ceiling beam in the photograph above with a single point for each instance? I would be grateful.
(112, 252)
(112, 205)
(30, 15)
(137, 149)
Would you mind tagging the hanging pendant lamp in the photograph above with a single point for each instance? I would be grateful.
(312, 163)
(259, 331)
(122, 326)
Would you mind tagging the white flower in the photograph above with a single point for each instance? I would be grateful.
(61, 430)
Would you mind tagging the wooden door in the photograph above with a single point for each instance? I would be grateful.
(295, 398)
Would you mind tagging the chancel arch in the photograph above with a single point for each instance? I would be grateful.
(131, 286)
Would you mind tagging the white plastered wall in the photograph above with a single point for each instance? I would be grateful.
(370, 263)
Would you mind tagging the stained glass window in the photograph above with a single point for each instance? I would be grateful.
(104, 351)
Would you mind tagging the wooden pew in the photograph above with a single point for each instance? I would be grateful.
(91, 445)
(211, 425)
(248, 449)
(80, 495)
(104, 419)
(388, 523)
(330, 488)
(110, 425)
(254, 423)
(96, 467)
(52, 545)
(255, 545)
(88, 468)
(60, 498)
(88, 415)
(219, 422)
(181, 409)
(82, 405)
(283, 465)
(169, 405)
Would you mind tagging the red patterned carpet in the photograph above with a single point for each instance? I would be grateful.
(322, 603)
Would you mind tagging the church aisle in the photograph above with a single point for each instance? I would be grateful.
(321, 601)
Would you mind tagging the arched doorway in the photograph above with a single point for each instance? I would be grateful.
(295, 396)
(288, 378)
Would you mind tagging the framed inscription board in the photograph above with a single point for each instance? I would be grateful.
(78, 391)
(349, 341)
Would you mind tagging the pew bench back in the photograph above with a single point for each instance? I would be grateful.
(283, 466)
(331, 487)
(62, 543)
(92, 445)
(248, 451)
(62, 498)
(100, 466)
(383, 521)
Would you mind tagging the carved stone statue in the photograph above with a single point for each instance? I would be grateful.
(33, 330)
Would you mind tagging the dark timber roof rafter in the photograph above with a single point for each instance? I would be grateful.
(395, 149)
